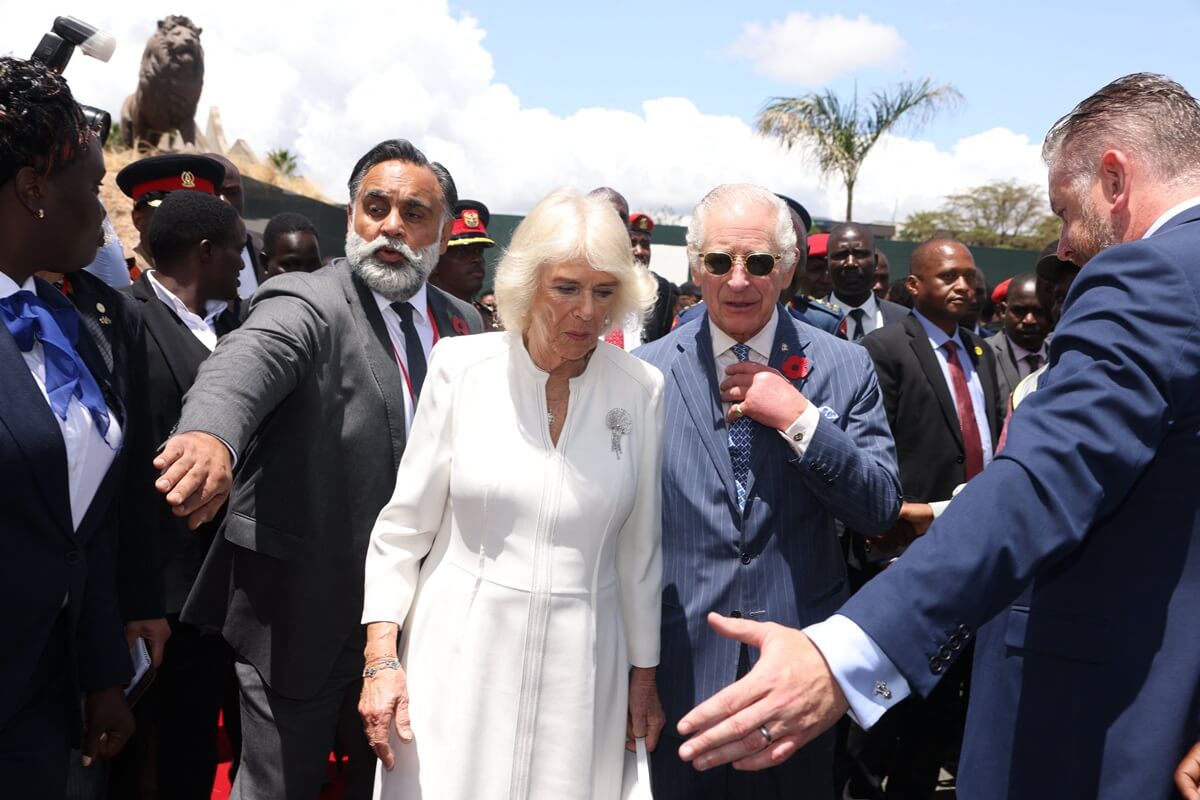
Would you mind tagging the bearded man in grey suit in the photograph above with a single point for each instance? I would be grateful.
(311, 399)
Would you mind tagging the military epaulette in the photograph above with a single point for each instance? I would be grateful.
(824, 305)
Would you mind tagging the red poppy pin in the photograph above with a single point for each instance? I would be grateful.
(795, 367)
(460, 326)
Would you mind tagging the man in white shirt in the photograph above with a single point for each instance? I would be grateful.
(196, 240)
(851, 255)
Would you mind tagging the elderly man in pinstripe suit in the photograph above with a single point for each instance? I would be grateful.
(774, 428)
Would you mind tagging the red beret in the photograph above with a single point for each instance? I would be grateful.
(1001, 291)
(818, 244)
(641, 222)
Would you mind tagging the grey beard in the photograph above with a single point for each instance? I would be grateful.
(396, 282)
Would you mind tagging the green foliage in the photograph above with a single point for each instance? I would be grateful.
(283, 161)
(998, 214)
(113, 142)
(838, 137)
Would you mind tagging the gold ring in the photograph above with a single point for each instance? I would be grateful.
(736, 408)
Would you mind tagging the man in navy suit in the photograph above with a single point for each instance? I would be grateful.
(774, 428)
(1073, 559)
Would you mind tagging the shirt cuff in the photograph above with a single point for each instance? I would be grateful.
(868, 678)
(800, 432)
(939, 507)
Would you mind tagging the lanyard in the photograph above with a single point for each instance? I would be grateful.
(403, 371)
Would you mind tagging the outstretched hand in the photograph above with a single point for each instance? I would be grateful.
(790, 693)
(197, 473)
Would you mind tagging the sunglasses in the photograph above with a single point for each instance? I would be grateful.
(757, 264)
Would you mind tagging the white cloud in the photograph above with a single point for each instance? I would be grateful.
(328, 84)
(809, 51)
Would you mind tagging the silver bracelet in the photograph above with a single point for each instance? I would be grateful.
(391, 663)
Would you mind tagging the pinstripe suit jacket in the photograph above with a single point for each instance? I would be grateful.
(780, 559)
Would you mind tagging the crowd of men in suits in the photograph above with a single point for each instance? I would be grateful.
(815, 430)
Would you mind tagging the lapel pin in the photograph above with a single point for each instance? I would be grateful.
(978, 350)
(100, 307)
(783, 347)
(104, 320)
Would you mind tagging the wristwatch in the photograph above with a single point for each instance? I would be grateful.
(391, 663)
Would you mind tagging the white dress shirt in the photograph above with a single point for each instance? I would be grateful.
(424, 326)
(858, 664)
(937, 338)
(872, 315)
(800, 432)
(247, 278)
(203, 328)
(89, 454)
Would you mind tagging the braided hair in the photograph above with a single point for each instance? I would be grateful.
(41, 125)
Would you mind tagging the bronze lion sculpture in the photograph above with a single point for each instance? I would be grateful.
(169, 84)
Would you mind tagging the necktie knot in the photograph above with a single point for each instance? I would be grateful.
(742, 351)
(405, 310)
(951, 348)
(859, 316)
(1034, 360)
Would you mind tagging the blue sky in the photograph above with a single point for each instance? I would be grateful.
(1019, 64)
(655, 99)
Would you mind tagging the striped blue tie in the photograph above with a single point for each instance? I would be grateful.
(740, 434)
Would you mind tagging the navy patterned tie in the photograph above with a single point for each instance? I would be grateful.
(740, 434)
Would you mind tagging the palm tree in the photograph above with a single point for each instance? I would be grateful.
(283, 161)
(840, 136)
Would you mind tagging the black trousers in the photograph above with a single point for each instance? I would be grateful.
(35, 742)
(173, 754)
(286, 742)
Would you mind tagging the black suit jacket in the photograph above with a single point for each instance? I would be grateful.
(920, 408)
(115, 324)
(659, 320)
(308, 394)
(173, 356)
(43, 558)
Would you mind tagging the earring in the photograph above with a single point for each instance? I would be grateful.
(41, 213)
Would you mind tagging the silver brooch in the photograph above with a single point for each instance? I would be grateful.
(620, 423)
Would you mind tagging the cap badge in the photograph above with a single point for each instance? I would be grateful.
(187, 179)
(643, 223)
(471, 218)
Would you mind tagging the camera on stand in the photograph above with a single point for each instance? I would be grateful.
(55, 51)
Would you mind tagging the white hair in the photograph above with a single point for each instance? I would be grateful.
(396, 282)
(565, 226)
(739, 197)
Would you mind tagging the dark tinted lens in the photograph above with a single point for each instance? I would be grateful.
(760, 263)
(718, 263)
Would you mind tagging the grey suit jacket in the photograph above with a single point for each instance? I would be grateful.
(308, 395)
(1007, 375)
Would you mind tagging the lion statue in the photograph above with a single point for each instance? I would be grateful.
(169, 84)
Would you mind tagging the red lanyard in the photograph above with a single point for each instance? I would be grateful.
(403, 371)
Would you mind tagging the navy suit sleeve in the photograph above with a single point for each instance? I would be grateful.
(852, 469)
(1123, 366)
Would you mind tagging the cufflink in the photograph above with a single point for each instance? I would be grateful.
(881, 689)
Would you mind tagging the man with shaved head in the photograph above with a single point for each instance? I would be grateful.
(939, 389)
(1021, 347)
(852, 264)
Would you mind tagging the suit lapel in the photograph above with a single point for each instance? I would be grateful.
(694, 370)
(28, 418)
(380, 356)
(182, 351)
(933, 373)
(790, 340)
(987, 380)
(444, 315)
